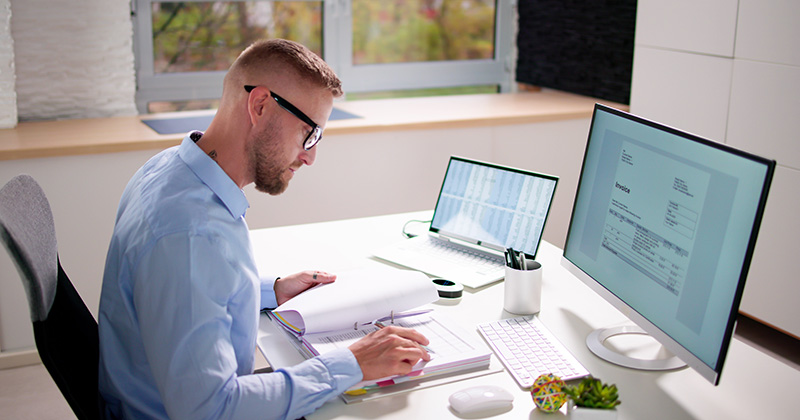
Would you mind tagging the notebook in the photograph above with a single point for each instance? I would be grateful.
(482, 209)
(364, 298)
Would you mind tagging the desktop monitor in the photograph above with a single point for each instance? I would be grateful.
(663, 227)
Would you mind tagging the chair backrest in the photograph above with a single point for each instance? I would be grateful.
(64, 329)
(28, 231)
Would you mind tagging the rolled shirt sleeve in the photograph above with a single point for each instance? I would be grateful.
(268, 298)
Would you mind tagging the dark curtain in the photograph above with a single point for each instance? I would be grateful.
(578, 46)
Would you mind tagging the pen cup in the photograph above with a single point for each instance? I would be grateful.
(523, 289)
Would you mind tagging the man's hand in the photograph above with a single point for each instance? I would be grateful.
(389, 351)
(292, 285)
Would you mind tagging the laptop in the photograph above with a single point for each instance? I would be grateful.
(482, 209)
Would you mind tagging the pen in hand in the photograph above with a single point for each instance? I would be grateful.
(381, 325)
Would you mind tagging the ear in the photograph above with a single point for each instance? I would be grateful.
(257, 104)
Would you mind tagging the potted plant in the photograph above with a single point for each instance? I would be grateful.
(592, 399)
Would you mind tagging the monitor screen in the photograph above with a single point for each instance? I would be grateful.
(663, 226)
(492, 205)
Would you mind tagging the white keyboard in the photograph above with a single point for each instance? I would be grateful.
(528, 349)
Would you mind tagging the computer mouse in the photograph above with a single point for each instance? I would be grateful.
(480, 398)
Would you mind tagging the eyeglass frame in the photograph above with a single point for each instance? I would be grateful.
(314, 136)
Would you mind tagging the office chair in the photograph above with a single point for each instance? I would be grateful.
(64, 329)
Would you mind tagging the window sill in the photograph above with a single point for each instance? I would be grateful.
(121, 134)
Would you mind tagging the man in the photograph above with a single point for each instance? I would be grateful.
(181, 294)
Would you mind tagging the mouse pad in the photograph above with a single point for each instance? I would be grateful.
(201, 122)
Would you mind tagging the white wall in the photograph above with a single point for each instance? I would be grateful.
(730, 70)
(8, 94)
(65, 59)
(83, 192)
(73, 59)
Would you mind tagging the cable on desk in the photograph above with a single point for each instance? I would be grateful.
(409, 235)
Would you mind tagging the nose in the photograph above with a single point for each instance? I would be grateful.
(309, 156)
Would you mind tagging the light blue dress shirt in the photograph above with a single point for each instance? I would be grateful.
(180, 305)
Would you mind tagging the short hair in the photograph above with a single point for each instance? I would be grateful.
(278, 52)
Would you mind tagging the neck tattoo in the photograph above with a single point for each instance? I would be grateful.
(213, 154)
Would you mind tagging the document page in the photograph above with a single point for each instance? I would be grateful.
(450, 347)
(444, 343)
(660, 248)
(356, 297)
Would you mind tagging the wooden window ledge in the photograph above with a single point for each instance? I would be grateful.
(120, 134)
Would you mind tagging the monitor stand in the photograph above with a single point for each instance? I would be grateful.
(596, 343)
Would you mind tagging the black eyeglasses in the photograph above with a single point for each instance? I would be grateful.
(314, 136)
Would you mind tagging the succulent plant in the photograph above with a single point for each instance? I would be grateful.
(593, 393)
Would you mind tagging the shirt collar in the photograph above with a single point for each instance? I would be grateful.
(213, 176)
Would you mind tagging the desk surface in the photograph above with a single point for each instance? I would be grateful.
(753, 385)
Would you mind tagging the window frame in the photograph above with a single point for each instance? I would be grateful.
(337, 42)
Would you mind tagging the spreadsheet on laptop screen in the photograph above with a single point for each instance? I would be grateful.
(495, 206)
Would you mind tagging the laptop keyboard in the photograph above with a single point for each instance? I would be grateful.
(440, 258)
(460, 255)
(528, 349)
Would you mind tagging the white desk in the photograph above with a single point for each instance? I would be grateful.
(569, 309)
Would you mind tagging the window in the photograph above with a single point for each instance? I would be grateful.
(183, 48)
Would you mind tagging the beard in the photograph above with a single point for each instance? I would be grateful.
(265, 156)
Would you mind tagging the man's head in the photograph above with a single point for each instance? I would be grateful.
(277, 97)
(276, 55)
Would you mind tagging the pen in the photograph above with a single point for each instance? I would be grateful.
(381, 325)
(522, 261)
(394, 316)
(510, 258)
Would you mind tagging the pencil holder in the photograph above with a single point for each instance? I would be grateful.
(523, 289)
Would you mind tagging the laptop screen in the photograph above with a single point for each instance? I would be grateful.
(493, 206)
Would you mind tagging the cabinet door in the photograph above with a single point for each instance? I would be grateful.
(685, 90)
(768, 31)
(706, 27)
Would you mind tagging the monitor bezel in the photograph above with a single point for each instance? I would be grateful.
(710, 373)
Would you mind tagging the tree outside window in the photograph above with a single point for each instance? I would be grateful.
(188, 43)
